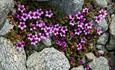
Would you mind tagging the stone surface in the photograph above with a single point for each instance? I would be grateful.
(101, 52)
(112, 25)
(10, 58)
(48, 59)
(102, 3)
(78, 68)
(100, 63)
(99, 47)
(5, 7)
(68, 6)
(6, 28)
(111, 45)
(90, 56)
(103, 24)
(47, 41)
(40, 0)
(112, 60)
(103, 39)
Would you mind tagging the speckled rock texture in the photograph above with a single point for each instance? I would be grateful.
(100, 63)
(5, 7)
(48, 59)
(78, 68)
(68, 6)
(10, 58)
(6, 28)
(102, 3)
(103, 39)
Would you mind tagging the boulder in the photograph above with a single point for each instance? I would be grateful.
(102, 3)
(78, 68)
(10, 58)
(103, 39)
(90, 56)
(100, 63)
(40, 0)
(111, 45)
(5, 7)
(112, 25)
(48, 59)
(6, 28)
(103, 24)
(68, 6)
(47, 41)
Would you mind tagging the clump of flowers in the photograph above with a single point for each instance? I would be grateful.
(73, 36)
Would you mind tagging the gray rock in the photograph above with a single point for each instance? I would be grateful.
(90, 56)
(78, 68)
(101, 52)
(99, 47)
(10, 58)
(68, 6)
(48, 59)
(5, 7)
(112, 25)
(40, 0)
(47, 41)
(111, 45)
(6, 28)
(103, 24)
(103, 39)
(112, 59)
(100, 63)
(102, 3)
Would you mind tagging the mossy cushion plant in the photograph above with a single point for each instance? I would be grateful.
(72, 34)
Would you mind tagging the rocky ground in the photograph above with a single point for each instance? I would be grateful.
(50, 58)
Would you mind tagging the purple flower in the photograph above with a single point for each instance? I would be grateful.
(40, 12)
(40, 24)
(21, 8)
(20, 44)
(55, 31)
(64, 29)
(99, 31)
(85, 10)
(30, 15)
(58, 42)
(86, 31)
(30, 37)
(103, 13)
(49, 14)
(78, 31)
(36, 15)
(38, 37)
(24, 16)
(87, 67)
(79, 15)
(34, 41)
(98, 18)
(48, 30)
(81, 61)
(83, 40)
(22, 25)
(33, 26)
(63, 34)
(18, 16)
(72, 22)
(81, 25)
(89, 25)
(34, 38)
(79, 46)
(82, 20)
(71, 17)
(57, 27)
